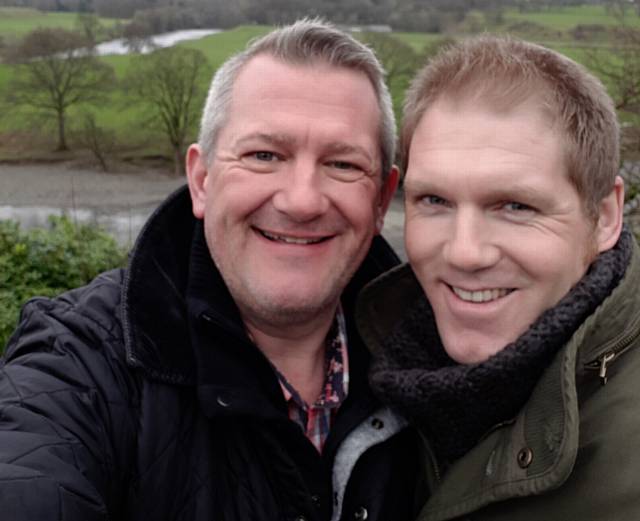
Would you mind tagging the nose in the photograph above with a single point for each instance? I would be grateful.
(300, 195)
(471, 245)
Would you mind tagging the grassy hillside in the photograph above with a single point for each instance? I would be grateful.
(566, 18)
(218, 47)
(129, 123)
(418, 40)
(15, 22)
(551, 27)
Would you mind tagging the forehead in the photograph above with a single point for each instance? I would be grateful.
(311, 103)
(466, 124)
(266, 76)
(530, 113)
(487, 145)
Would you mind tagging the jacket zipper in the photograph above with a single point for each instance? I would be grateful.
(602, 363)
(434, 462)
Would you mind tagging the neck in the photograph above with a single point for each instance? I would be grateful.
(297, 351)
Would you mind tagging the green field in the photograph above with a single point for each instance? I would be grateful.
(566, 18)
(218, 47)
(129, 122)
(418, 40)
(15, 22)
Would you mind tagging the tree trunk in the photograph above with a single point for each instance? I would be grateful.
(178, 161)
(62, 141)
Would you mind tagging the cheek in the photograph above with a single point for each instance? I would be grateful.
(357, 204)
(235, 201)
(419, 242)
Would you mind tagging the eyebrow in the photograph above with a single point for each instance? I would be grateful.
(345, 148)
(336, 147)
(516, 191)
(275, 139)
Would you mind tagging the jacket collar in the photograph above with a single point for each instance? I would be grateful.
(171, 277)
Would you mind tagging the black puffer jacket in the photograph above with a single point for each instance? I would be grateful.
(139, 397)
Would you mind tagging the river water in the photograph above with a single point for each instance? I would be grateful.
(119, 46)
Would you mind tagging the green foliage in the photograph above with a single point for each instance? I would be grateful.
(49, 261)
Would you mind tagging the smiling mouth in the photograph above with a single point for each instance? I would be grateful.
(485, 295)
(288, 239)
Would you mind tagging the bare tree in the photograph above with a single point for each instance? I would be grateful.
(618, 66)
(89, 25)
(100, 142)
(55, 70)
(170, 82)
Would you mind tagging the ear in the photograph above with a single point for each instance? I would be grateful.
(610, 217)
(387, 190)
(197, 178)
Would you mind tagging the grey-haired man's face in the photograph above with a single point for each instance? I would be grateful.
(293, 195)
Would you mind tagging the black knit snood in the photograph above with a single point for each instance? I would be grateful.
(454, 404)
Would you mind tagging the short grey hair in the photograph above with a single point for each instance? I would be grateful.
(304, 42)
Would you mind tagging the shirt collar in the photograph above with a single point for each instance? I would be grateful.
(336, 384)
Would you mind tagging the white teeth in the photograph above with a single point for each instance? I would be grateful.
(486, 295)
(290, 240)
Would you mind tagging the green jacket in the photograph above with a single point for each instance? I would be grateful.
(573, 451)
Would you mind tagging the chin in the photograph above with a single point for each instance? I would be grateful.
(465, 355)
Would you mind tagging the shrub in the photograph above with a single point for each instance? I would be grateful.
(49, 261)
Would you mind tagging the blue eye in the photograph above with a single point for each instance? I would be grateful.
(344, 171)
(264, 155)
(344, 165)
(434, 200)
(514, 206)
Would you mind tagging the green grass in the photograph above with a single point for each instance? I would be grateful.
(15, 22)
(566, 18)
(218, 47)
(127, 122)
(122, 119)
(418, 40)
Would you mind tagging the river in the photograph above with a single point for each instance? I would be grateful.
(120, 46)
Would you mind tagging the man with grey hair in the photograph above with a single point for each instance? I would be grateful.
(219, 376)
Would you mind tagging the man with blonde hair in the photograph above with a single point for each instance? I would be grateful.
(219, 376)
(512, 339)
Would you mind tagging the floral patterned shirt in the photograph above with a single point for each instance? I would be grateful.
(316, 419)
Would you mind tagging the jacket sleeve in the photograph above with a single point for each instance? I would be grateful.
(66, 422)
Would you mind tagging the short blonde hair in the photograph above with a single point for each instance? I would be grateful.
(503, 73)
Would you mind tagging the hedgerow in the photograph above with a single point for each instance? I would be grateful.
(49, 261)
